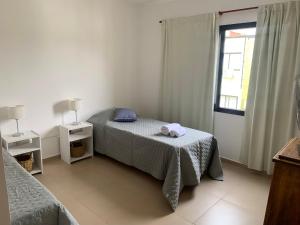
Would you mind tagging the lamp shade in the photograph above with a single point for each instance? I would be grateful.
(75, 104)
(17, 112)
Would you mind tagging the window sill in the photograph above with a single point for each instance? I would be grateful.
(230, 111)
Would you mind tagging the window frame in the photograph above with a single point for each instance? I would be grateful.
(222, 31)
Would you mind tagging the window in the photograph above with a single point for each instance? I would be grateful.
(236, 51)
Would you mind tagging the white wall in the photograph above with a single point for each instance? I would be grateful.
(54, 50)
(228, 128)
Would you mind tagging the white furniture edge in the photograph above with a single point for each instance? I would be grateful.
(30, 134)
(65, 141)
(4, 207)
(79, 126)
(21, 150)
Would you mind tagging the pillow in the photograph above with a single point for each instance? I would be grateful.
(124, 115)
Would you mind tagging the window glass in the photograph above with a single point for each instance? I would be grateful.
(235, 61)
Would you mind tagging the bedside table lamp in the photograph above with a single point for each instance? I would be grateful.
(17, 113)
(75, 106)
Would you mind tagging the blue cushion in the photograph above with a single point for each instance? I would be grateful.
(124, 115)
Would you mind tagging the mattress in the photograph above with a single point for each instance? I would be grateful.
(30, 203)
(178, 162)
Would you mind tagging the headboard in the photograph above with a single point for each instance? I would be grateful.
(4, 212)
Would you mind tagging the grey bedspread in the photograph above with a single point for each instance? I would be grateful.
(176, 161)
(30, 203)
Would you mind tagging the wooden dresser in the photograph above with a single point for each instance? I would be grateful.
(284, 199)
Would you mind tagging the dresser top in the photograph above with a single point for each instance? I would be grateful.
(290, 153)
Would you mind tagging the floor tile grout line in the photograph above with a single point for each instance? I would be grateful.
(82, 205)
(102, 220)
(182, 217)
(238, 206)
(93, 211)
(207, 210)
(221, 198)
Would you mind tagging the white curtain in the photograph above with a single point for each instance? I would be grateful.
(188, 71)
(270, 113)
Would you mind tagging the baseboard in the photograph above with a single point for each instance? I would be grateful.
(52, 158)
(239, 164)
(224, 159)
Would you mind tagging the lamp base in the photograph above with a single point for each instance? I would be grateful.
(76, 123)
(18, 134)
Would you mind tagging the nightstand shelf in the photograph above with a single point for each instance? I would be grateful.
(80, 136)
(22, 149)
(35, 170)
(30, 142)
(86, 155)
(72, 133)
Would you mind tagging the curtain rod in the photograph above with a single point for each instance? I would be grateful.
(237, 10)
(230, 11)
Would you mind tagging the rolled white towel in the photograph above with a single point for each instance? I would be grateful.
(178, 132)
(166, 129)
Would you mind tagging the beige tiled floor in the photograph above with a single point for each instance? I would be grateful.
(102, 191)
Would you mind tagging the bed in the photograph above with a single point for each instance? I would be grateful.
(30, 203)
(178, 162)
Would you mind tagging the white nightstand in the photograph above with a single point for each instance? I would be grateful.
(30, 142)
(71, 133)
